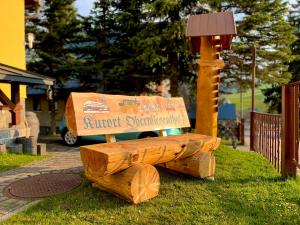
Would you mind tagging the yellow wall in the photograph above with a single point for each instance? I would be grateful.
(12, 37)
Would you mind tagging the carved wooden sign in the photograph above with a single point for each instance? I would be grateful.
(93, 113)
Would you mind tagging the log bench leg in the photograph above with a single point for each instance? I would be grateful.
(201, 165)
(136, 184)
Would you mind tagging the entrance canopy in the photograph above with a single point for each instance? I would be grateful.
(9, 74)
(15, 77)
(32, 3)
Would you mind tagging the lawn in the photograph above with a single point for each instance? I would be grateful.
(247, 190)
(10, 160)
(259, 100)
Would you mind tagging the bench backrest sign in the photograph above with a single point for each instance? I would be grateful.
(94, 113)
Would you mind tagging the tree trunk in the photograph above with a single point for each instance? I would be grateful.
(136, 184)
(174, 82)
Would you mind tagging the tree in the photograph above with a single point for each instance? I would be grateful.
(56, 30)
(273, 94)
(263, 24)
(98, 50)
(137, 42)
(162, 45)
(295, 21)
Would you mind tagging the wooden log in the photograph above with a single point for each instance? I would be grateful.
(104, 159)
(136, 184)
(201, 165)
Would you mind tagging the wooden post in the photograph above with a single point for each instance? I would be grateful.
(15, 98)
(253, 76)
(252, 131)
(289, 132)
(208, 85)
(252, 98)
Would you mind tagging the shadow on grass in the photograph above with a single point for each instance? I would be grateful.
(171, 176)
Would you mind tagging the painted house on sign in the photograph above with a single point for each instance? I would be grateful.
(13, 75)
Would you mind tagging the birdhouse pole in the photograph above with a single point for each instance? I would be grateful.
(209, 34)
(210, 66)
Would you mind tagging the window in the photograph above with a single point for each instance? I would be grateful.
(55, 106)
(36, 104)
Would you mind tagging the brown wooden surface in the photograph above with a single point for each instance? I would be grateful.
(104, 159)
(6, 101)
(213, 24)
(266, 136)
(290, 129)
(136, 184)
(201, 165)
(15, 98)
(208, 86)
(14, 104)
(93, 113)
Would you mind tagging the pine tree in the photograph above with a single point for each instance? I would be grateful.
(295, 21)
(162, 44)
(273, 94)
(263, 24)
(98, 48)
(53, 53)
(136, 42)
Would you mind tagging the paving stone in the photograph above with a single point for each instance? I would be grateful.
(3, 198)
(9, 203)
(3, 212)
(62, 162)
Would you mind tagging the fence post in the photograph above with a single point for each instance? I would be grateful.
(252, 131)
(288, 166)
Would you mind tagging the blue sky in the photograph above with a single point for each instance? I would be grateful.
(84, 6)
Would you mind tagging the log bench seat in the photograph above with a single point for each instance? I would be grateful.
(104, 159)
(126, 168)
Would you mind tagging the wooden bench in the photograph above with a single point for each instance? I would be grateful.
(126, 168)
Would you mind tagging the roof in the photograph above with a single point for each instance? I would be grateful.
(9, 74)
(32, 3)
(213, 24)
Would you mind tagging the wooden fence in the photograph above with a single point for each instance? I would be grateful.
(266, 136)
(277, 136)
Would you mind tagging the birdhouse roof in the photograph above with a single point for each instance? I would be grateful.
(213, 24)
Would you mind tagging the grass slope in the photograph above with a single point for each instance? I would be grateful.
(259, 100)
(10, 160)
(247, 190)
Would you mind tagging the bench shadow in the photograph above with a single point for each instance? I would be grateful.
(169, 176)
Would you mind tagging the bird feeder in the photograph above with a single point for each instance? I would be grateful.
(209, 35)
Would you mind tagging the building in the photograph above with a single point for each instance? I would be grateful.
(38, 103)
(14, 78)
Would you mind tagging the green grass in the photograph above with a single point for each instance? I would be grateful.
(10, 160)
(247, 190)
(259, 100)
